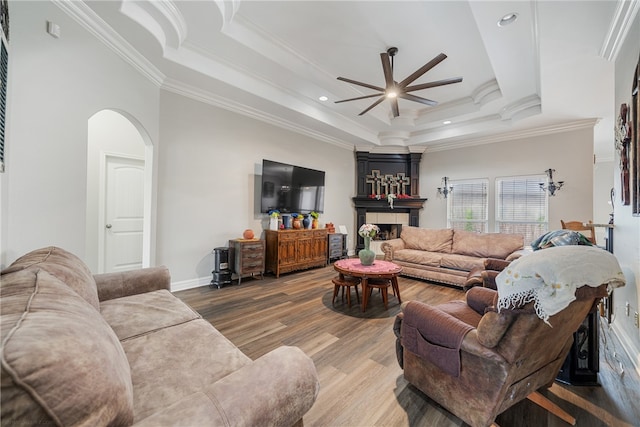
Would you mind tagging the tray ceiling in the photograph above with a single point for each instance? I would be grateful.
(550, 70)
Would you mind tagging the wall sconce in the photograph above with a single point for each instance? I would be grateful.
(445, 189)
(551, 186)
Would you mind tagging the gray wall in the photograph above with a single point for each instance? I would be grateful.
(209, 181)
(55, 86)
(627, 227)
(569, 153)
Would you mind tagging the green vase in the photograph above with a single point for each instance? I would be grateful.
(366, 255)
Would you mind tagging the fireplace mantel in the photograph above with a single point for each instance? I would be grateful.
(387, 173)
(382, 205)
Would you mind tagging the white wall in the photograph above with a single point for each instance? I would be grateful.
(569, 153)
(209, 181)
(112, 133)
(627, 227)
(55, 85)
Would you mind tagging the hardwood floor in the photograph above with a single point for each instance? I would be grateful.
(354, 353)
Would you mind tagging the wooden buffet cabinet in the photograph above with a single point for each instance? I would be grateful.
(291, 250)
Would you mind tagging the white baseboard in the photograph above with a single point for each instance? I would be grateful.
(628, 346)
(190, 284)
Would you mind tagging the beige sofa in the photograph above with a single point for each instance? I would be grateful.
(447, 256)
(120, 349)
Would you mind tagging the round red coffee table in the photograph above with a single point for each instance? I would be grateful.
(383, 273)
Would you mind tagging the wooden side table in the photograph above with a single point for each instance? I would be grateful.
(382, 270)
(247, 257)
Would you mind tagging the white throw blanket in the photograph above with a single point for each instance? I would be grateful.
(550, 277)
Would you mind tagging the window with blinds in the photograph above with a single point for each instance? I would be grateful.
(467, 207)
(522, 207)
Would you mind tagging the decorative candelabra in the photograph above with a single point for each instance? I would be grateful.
(551, 186)
(445, 189)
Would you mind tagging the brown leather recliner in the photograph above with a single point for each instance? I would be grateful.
(486, 276)
(504, 357)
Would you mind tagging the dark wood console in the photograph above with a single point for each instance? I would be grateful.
(291, 250)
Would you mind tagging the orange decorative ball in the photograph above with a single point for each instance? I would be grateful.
(248, 234)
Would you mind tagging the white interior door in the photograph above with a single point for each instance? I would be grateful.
(123, 213)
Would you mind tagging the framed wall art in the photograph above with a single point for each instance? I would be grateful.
(4, 69)
(634, 119)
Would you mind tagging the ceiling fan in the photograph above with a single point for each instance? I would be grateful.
(394, 90)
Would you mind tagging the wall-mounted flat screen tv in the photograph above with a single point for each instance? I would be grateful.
(290, 188)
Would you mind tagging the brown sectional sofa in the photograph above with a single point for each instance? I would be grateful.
(120, 349)
(446, 255)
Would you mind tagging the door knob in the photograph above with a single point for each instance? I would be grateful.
(108, 226)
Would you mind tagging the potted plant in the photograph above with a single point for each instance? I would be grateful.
(314, 221)
(367, 232)
(274, 215)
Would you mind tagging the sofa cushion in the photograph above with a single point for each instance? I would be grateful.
(486, 245)
(418, 257)
(145, 313)
(65, 266)
(461, 262)
(175, 362)
(427, 239)
(61, 363)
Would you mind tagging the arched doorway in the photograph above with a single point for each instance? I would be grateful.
(119, 183)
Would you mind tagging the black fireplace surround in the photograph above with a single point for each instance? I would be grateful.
(381, 173)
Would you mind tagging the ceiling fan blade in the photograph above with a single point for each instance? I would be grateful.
(373, 105)
(433, 84)
(386, 68)
(419, 99)
(420, 71)
(360, 97)
(355, 82)
(394, 107)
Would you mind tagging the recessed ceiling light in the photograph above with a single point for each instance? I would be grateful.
(446, 122)
(323, 98)
(507, 19)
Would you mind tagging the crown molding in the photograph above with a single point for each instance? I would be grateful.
(170, 29)
(87, 18)
(227, 104)
(170, 11)
(391, 149)
(523, 107)
(486, 92)
(625, 13)
(519, 134)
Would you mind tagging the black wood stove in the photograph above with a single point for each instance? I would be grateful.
(221, 272)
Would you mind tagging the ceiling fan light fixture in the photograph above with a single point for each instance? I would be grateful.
(393, 90)
(507, 19)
